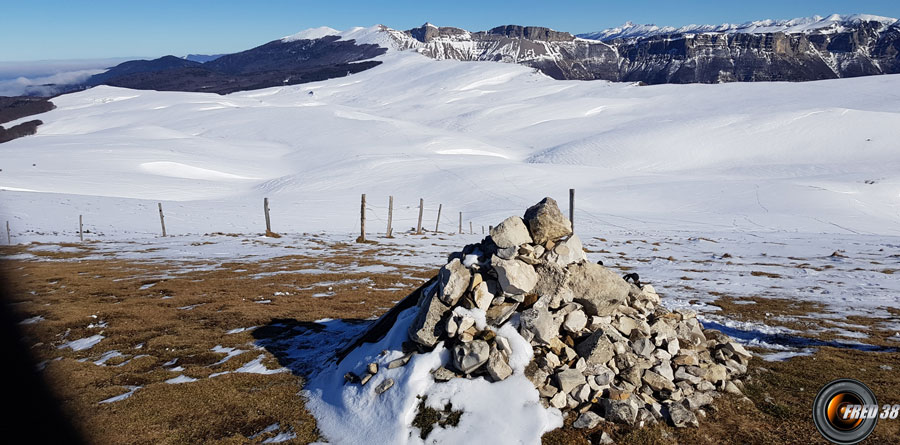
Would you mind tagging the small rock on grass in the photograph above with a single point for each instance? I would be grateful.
(682, 417)
(587, 420)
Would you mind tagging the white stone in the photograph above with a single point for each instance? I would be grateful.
(512, 232)
(575, 321)
(516, 277)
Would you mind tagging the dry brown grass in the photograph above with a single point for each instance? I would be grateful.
(69, 293)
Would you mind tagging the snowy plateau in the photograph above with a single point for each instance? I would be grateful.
(756, 170)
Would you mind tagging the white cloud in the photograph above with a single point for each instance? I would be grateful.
(44, 85)
(33, 77)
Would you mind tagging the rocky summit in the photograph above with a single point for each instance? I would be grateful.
(604, 348)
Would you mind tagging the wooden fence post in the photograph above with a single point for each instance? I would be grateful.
(438, 221)
(572, 208)
(460, 224)
(390, 215)
(362, 220)
(470, 228)
(482, 230)
(421, 207)
(81, 228)
(266, 211)
(8, 236)
(162, 219)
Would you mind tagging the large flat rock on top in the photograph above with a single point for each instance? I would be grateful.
(597, 288)
(546, 222)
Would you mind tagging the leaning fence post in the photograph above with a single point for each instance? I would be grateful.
(572, 208)
(162, 219)
(362, 220)
(421, 207)
(8, 236)
(438, 221)
(390, 215)
(266, 211)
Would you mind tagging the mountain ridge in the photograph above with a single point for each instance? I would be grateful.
(802, 49)
(827, 48)
(814, 23)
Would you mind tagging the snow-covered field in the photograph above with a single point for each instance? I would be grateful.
(765, 169)
(487, 139)
(772, 190)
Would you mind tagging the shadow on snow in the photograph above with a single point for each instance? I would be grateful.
(306, 347)
(792, 341)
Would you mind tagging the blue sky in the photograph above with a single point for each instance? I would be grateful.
(73, 29)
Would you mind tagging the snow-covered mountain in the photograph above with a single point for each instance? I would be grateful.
(834, 23)
(803, 49)
(793, 50)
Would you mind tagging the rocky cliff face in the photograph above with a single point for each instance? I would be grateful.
(850, 48)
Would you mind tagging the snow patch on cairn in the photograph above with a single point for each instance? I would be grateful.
(518, 332)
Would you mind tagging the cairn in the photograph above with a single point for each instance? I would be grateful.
(604, 347)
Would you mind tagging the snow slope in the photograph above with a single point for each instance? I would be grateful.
(483, 138)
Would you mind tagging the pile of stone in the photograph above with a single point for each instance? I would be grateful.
(604, 348)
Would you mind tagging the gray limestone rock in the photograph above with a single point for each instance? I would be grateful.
(597, 288)
(546, 222)
(497, 365)
(567, 252)
(588, 420)
(657, 382)
(682, 417)
(443, 374)
(427, 326)
(596, 349)
(483, 296)
(540, 322)
(569, 379)
(498, 314)
(697, 400)
(575, 321)
(512, 232)
(385, 385)
(620, 411)
(516, 277)
(468, 357)
(453, 281)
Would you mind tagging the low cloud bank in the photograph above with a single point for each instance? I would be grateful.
(48, 77)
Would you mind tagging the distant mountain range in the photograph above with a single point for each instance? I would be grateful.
(816, 24)
(792, 50)
(202, 58)
(789, 50)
